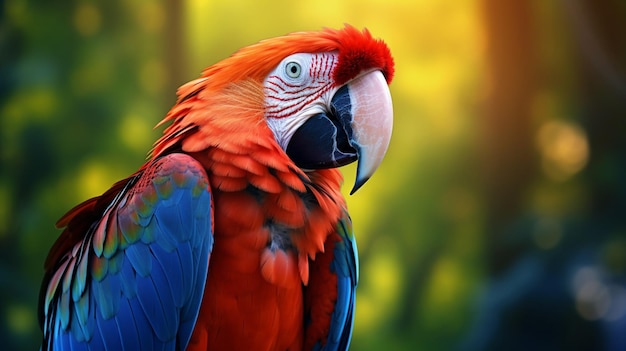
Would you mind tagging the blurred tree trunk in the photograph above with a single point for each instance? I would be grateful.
(176, 51)
(506, 128)
(599, 29)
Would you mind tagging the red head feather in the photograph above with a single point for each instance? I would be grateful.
(358, 51)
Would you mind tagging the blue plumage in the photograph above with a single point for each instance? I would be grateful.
(345, 266)
(136, 280)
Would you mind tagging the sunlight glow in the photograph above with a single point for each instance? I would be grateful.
(153, 76)
(20, 319)
(564, 149)
(93, 179)
(135, 131)
(151, 16)
(382, 272)
(445, 283)
(87, 19)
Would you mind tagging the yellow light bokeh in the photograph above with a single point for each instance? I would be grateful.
(87, 19)
(564, 149)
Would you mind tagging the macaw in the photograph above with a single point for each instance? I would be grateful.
(234, 234)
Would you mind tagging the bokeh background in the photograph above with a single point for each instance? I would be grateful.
(496, 222)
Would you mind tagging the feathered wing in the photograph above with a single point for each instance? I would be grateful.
(134, 279)
(330, 296)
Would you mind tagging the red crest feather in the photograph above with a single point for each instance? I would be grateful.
(358, 51)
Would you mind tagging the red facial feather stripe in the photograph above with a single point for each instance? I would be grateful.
(286, 107)
(283, 98)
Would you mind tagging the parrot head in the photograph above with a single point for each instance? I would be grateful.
(323, 95)
(329, 109)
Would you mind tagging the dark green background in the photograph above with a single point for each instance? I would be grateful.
(496, 221)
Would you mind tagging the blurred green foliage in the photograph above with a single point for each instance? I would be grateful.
(495, 221)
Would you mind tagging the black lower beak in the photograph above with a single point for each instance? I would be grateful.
(323, 141)
(357, 126)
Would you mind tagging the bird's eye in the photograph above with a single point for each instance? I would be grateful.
(293, 69)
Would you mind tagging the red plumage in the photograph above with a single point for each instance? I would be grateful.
(259, 194)
(360, 52)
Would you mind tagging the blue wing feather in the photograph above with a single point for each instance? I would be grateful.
(137, 255)
(345, 266)
(131, 336)
(172, 265)
(342, 266)
(109, 333)
(142, 324)
(136, 279)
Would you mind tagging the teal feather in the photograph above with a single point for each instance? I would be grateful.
(80, 280)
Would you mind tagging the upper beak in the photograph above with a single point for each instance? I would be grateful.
(357, 126)
(372, 122)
